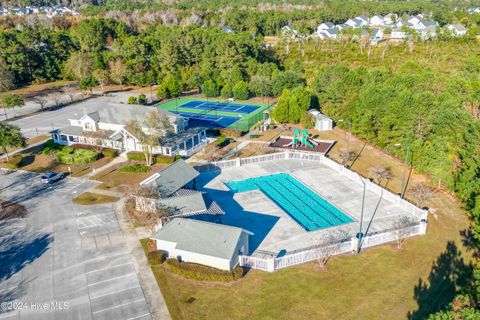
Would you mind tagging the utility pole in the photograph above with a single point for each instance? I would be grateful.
(404, 173)
(360, 234)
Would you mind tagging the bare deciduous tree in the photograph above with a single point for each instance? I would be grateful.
(96, 139)
(381, 174)
(147, 211)
(346, 156)
(118, 71)
(56, 97)
(402, 230)
(328, 244)
(421, 193)
(70, 91)
(41, 100)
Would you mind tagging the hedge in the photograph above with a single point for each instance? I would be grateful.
(69, 155)
(110, 153)
(50, 147)
(136, 155)
(14, 161)
(156, 257)
(164, 159)
(137, 167)
(204, 273)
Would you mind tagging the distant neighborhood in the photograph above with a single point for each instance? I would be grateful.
(48, 11)
(378, 28)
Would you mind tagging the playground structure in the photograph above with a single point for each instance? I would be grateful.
(301, 140)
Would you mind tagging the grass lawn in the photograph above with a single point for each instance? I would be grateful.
(34, 161)
(90, 198)
(30, 142)
(115, 180)
(380, 283)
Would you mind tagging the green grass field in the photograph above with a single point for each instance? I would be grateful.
(244, 124)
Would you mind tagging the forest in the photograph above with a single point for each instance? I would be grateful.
(420, 95)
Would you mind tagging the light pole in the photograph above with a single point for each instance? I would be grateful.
(360, 234)
(405, 164)
(349, 134)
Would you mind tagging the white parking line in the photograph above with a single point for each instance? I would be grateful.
(120, 305)
(114, 278)
(106, 268)
(137, 317)
(115, 292)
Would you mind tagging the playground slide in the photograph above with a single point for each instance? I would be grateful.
(309, 144)
(315, 143)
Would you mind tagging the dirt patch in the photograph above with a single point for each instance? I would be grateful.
(90, 198)
(11, 210)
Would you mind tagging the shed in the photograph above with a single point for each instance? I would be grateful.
(322, 122)
(210, 244)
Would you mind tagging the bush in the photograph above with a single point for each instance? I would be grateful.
(69, 155)
(240, 90)
(50, 147)
(164, 159)
(142, 99)
(150, 245)
(222, 142)
(308, 120)
(132, 100)
(14, 161)
(204, 273)
(156, 257)
(136, 155)
(135, 168)
(110, 153)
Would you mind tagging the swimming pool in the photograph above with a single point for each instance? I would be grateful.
(306, 207)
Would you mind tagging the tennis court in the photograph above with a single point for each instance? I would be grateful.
(208, 120)
(220, 106)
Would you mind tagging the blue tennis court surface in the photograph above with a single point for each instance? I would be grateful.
(208, 120)
(220, 106)
(306, 207)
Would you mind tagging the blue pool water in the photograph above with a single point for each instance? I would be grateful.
(308, 208)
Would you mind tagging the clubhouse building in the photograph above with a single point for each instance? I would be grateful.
(107, 127)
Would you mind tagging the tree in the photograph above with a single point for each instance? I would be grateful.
(70, 91)
(88, 83)
(209, 88)
(132, 100)
(148, 212)
(347, 155)
(172, 85)
(226, 91)
(12, 100)
(56, 97)
(163, 92)
(10, 137)
(118, 72)
(381, 174)
(157, 125)
(142, 99)
(286, 80)
(79, 66)
(292, 105)
(421, 193)
(96, 139)
(308, 120)
(5, 77)
(261, 86)
(240, 90)
(402, 230)
(328, 244)
(41, 100)
(101, 76)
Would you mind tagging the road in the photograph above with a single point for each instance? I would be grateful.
(64, 261)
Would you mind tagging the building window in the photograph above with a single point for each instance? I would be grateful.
(55, 136)
(88, 126)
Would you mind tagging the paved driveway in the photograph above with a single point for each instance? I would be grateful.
(64, 261)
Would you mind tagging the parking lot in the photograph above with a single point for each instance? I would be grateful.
(64, 261)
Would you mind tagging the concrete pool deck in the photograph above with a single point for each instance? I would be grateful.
(275, 231)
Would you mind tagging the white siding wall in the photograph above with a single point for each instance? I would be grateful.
(109, 126)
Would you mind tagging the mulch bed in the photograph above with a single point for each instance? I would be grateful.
(11, 210)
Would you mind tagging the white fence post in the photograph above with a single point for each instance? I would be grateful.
(422, 227)
(239, 163)
(271, 264)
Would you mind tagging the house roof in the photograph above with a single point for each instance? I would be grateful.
(187, 202)
(328, 24)
(171, 178)
(458, 27)
(116, 113)
(70, 130)
(211, 239)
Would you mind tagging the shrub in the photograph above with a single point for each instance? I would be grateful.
(222, 142)
(135, 168)
(14, 161)
(164, 159)
(132, 100)
(204, 273)
(69, 155)
(240, 90)
(142, 99)
(50, 147)
(156, 257)
(308, 120)
(110, 153)
(151, 245)
(136, 155)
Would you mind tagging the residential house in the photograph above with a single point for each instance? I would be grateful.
(390, 18)
(427, 29)
(211, 244)
(377, 21)
(365, 20)
(325, 26)
(342, 26)
(414, 20)
(106, 127)
(355, 23)
(457, 29)
(376, 35)
(398, 34)
(328, 33)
